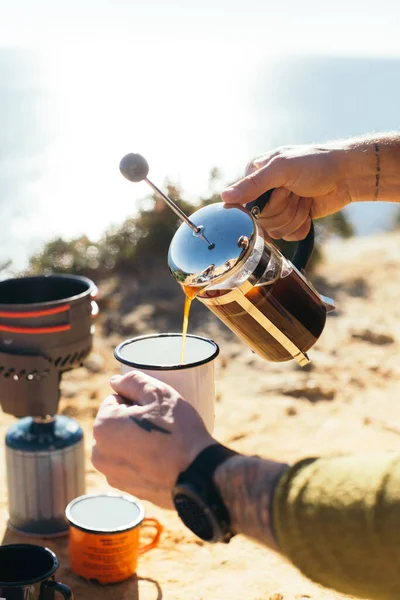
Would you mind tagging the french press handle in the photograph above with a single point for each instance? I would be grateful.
(299, 253)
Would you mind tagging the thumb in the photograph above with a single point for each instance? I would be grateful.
(272, 175)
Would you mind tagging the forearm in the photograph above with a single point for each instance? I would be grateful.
(246, 484)
(370, 165)
(337, 519)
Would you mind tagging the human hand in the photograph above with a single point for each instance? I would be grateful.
(145, 435)
(310, 182)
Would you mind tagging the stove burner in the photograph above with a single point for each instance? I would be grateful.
(46, 328)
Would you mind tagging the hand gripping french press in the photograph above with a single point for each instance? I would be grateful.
(256, 286)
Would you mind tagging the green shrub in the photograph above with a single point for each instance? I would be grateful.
(140, 244)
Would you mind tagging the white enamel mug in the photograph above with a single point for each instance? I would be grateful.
(158, 355)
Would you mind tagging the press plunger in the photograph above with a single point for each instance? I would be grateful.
(134, 167)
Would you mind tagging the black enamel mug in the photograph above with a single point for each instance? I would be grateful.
(27, 573)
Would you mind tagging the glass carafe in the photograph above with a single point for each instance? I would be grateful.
(247, 281)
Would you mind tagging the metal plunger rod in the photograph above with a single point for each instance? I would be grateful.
(174, 206)
(134, 167)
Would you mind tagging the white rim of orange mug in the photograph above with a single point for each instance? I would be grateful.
(132, 525)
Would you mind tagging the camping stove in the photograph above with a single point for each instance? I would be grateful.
(46, 328)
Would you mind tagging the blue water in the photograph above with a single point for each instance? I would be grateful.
(64, 127)
(319, 99)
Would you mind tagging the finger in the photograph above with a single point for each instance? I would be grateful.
(284, 219)
(139, 388)
(114, 409)
(259, 161)
(303, 206)
(276, 173)
(111, 411)
(112, 405)
(300, 233)
(277, 203)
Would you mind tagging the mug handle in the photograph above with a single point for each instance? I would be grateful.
(150, 522)
(299, 253)
(61, 588)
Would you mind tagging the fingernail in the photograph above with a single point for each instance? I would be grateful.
(115, 378)
(229, 194)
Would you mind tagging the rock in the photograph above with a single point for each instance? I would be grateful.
(372, 364)
(69, 389)
(237, 437)
(94, 363)
(137, 322)
(312, 391)
(358, 288)
(373, 337)
(223, 362)
(357, 382)
(111, 325)
(70, 411)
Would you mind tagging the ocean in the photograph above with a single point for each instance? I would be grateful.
(67, 118)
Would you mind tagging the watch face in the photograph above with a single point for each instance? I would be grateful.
(195, 516)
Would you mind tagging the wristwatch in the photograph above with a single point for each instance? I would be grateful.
(197, 499)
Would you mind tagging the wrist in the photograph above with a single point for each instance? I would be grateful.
(197, 498)
(247, 485)
(198, 445)
(370, 167)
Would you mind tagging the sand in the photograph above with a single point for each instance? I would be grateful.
(345, 401)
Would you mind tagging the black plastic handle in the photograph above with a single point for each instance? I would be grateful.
(61, 588)
(261, 202)
(299, 253)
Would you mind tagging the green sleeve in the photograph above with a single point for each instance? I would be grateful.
(338, 520)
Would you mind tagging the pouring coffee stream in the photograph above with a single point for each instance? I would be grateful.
(254, 285)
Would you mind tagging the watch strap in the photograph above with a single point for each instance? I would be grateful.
(199, 476)
(207, 461)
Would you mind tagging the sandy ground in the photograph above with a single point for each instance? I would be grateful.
(347, 400)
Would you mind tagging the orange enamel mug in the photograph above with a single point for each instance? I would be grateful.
(104, 532)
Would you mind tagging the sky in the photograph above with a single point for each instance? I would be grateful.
(355, 27)
(173, 80)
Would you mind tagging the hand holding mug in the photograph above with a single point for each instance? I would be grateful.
(145, 435)
(159, 355)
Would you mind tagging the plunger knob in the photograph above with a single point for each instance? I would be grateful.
(134, 167)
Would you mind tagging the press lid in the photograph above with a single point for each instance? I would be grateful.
(230, 231)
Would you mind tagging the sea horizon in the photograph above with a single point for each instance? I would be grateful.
(63, 133)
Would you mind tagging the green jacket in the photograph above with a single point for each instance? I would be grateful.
(338, 520)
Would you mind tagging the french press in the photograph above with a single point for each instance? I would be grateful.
(254, 285)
